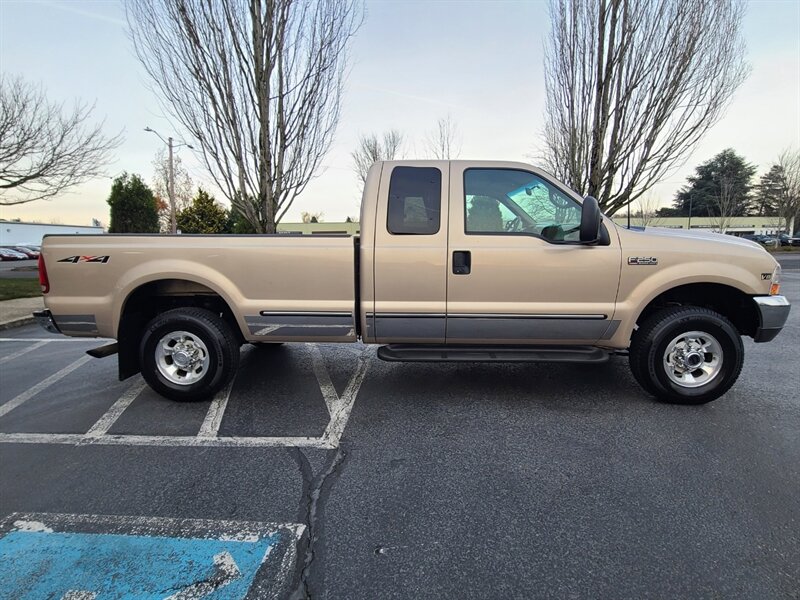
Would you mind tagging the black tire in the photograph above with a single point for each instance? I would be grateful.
(649, 351)
(212, 332)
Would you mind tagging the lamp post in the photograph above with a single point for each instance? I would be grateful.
(173, 225)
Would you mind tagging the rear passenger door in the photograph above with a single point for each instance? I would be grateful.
(411, 253)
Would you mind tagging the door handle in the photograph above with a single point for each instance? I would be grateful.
(462, 262)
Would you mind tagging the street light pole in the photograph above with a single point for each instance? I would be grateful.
(173, 222)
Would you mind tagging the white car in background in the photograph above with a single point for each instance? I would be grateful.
(9, 254)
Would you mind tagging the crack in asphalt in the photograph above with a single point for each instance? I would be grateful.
(316, 490)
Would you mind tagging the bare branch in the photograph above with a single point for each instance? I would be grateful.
(258, 84)
(444, 143)
(371, 149)
(45, 148)
(632, 86)
(184, 187)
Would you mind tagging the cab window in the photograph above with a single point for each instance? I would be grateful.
(515, 202)
(415, 200)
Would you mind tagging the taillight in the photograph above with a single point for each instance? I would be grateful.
(43, 280)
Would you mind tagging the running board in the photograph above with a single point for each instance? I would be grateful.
(568, 354)
(103, 351)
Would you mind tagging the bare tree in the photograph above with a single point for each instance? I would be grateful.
(788, 206)
(647, 210)
(309, 217)
(258, 84)
(632, 86)
(725, 202)
(779, 191)
(444, 142)
(184, 187)
(45, 147)
(372, 148)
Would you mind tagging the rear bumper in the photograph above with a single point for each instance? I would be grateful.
(772, 313)
(45, 319)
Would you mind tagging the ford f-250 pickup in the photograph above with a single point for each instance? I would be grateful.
(456, 261)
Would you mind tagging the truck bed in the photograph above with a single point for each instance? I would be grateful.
(283, 287)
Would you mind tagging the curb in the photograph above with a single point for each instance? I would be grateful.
(16, 322)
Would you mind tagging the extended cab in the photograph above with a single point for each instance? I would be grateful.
(456, 261)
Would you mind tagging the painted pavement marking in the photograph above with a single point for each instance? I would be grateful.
(81, 439)
(216, 411)
(42, 385)
(344, 405)
(75, 340)
(339, 409)
(76, 557)
(24, 351)
(115, 412)
(323, 379)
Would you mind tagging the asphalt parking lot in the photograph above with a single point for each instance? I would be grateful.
(388, 480)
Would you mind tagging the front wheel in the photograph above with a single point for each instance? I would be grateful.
(686, 355)
(188, 354)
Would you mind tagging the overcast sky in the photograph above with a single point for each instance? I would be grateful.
(412, 63)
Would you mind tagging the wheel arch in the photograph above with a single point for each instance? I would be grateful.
(149, 298)
(727, 300)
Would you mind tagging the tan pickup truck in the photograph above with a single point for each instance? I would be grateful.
(456, 261)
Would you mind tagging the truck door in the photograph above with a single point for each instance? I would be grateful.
(515, 272)
(411, 253)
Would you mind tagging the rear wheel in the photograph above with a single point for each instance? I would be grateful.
(188, 354)
(686, 355)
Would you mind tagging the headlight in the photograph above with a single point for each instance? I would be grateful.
(775, 288)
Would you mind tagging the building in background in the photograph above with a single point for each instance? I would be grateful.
(16, 232)
(735, 225)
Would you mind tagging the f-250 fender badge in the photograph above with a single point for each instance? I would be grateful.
(85, 259)
(642, 260)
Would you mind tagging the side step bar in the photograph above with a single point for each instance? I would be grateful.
(104, 351)
(569, 354)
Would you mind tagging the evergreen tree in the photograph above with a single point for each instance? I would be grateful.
(771, 191)
(133, 206)
(238, 223)
(719, 185)
(204, 215)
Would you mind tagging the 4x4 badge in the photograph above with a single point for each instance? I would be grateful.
(642, 260)
(85, 259)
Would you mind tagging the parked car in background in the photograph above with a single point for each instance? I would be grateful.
(9, 254)
(760, 238)
(783, 239)
(27, 251)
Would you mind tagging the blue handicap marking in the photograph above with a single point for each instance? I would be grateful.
(87, 557)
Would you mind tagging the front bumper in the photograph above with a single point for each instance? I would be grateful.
(772, 314)
(45, 319)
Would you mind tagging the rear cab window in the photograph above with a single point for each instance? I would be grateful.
(415, 201)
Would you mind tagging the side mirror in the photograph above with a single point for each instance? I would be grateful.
(590, 221)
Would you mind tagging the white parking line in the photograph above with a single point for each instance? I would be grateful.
(105, 422)
(216, 411)
(58, 339)
(339, 409)
(24, 351)
(323, 379)
(42, 385)
(341, 414)
(80, 439)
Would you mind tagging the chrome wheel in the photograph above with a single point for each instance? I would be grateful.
(182, 357)
(693, 359)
